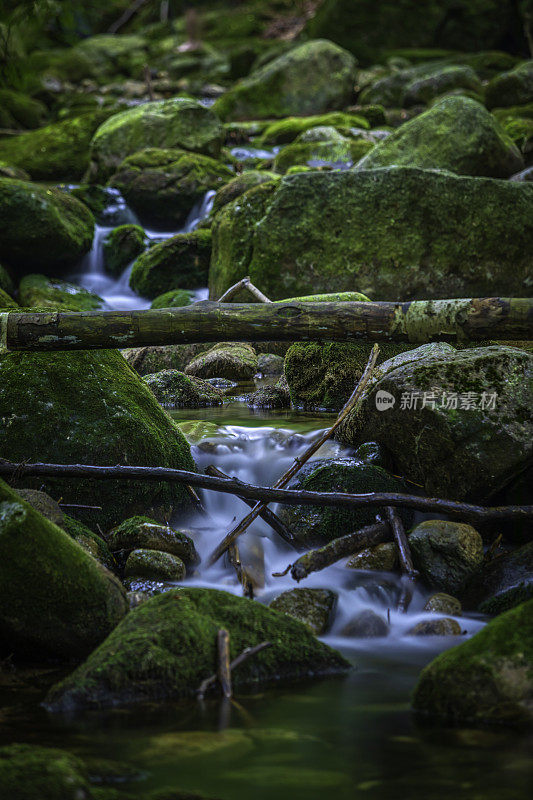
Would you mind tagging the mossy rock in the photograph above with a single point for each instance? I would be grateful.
(236, 361)
(314, 526)
(512, 88)
(456, 134)
(448, 79)
(487, 679)
(7, 302)
(312, 78)
(503, 582)
(334, 152)
(178, 122)
(436, 627)
(6, 282)
(315, 608)
(17, 110)
(44, 504)
(181, 262)
(176, 298)
(162, 186)
(89, 407)
(57, 152)
(43, 292)
(239, 185)
(167, 646)
(56, 600)
(121, 246)
(173, 388)
(401, 240)
(442, 603)
(143, 533)
(154, 565)
(29, 772)
(147, 360)
(521, 133)
(446, 553)
(285, 131)
(474, 432)
(382, 557)
(90, 541)
(42, 227)
(270, 397)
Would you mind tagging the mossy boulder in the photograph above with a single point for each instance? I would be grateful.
(42, 227)
(18, 110)
(270, 397)
(101, 57)
(181, 262)
(178, 122)
(29, 772)
(511, 88)
(143, 533)
(162, 186)
(315, 608)
(487, 679)
(121, 246)
(456, 134)
(448, 79)
(446, 553)
(173, 388)
(42, 292)
(56, 600)
(503, 582)
(147, 360)
(176, 298)
(90, 541)
(401, 239)
(167, 646)
(154, 565)
(236, 361)
(239, 185)
(326, 150)
(57, 152)
(7, 302)
(286, 130)
(312, 78)
(316, 525)
(470, 435)
(89, 407)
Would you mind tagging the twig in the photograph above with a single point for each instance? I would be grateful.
(127, 15)
(409, 573)
(247, 653)
(224, 669)
(79, 505)
(244, 283)
(299, 462)
(234, 557)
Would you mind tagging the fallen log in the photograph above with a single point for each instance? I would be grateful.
(417, 321)
(294, 497)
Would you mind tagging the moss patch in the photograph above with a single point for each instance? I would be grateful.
(174, 388)
(121, 246)
(43, 292)
(181, 262)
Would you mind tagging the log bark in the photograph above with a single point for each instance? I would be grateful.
(417, 322)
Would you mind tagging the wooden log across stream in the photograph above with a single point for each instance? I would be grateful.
(417, 321)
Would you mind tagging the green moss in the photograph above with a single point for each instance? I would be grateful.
(145, 533)
(6, 281)
(181, 262)
(520, 131)
(176, 298)
(90, 541)
(154, 565)
(167, 646)
(41, 226)
(315, 608)
(174, 388)
(38, 290)
(56, 600)
(236, 361)
(321, 153)
(286, 130)
(332, 297)
(239, 185)
(147, 360)
(28, 772)
(121, 246)
(487, 679)
(512, 88)
(17, 110)
(6, 301)
(91, 408)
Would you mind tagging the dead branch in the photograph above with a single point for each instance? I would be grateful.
(247, 653)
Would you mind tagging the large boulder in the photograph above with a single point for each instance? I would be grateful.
(512, 88)
(89, 407)
(456, 134)
(121, 246)
(29, 772)
(313, 78)
(391, 232)
(459, 421)
(181, 262)
(42, 227)
(178, 122)
(55, 599)
(167, 646)
(162, 186)
(446, 553)
(487, 679)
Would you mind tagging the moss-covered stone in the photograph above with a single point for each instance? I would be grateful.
(28, 772)
(366, 625)
(487, 679)
(442, 603)
(446, 553)
(176, 298)
(312, 78)
(239, 185)
(520, 131)
(236, 361)
(90, 541)
(456, 134)
(178, 122)
(382, 557)
(472, 433)
(56, 600)
(42, 227)
(181, 262)
(173, 388)
(17, 110)
(6, 282)
(315, 525)
(436, 627)
(293, 238)
(147, 360)
(315, 608)
(503, 582)
(89, 407)
(121, 246)
(326, 152)
(143, 533)
(162, 186)
(167, 646)
(40, 291)
(44, 504)
(6, 302)
(448, 79)
(154, 565)
(286, 130)
(271, 397)
(512, 88)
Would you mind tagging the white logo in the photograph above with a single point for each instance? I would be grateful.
(384, 400)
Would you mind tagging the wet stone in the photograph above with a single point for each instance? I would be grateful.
(442, 603)
(156, 565)
(436, 627)
(366, 625)
(314, 607)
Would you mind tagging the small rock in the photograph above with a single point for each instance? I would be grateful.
(436, 627)
(174, 388)
(142, 533)
(442, 603)
(121, 246)
(153, 564)
(366, 625)
(314, 607)
(446, 553)
(233, 361)
(270, 397)
(383, 557)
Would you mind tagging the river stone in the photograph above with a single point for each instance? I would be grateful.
(236, 361)
(155, 565)
(272, 397)
(503, 582)
(487, 679)
(162, 186)
(155, 358)
(150, 657)
(366, 625)
(177, 122)
(286, 130)
(436, 627)
(42, 226)
(121, 246)
(142, 533)
(512, 88)
(311, 78)
(457, 134)
(463, 452)
(395, 245)
(317, 525)
(28, 772)
(446, 553)
(269, 364)
(90, 407)
(44, 504)
(38, 291)
(174, 388)
(443, 80)
(382, 557)
(181, 262)
(442, 603)
(55, 600)
(176, 298)
(319, 152)
(315, 608)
